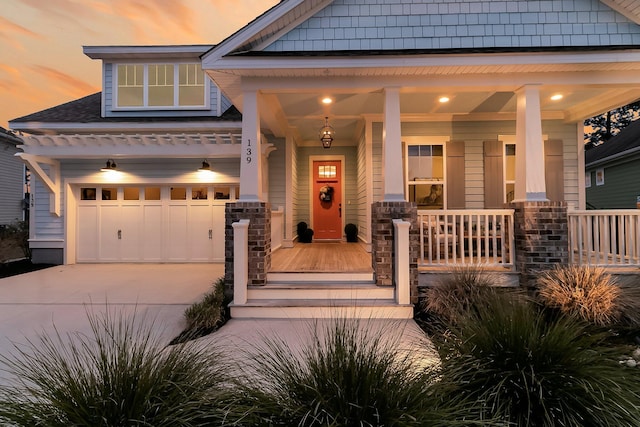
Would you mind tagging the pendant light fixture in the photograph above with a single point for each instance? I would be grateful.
(326, 134)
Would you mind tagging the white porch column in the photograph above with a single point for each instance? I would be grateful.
(251, 154)
(530, 184)
(392, 147)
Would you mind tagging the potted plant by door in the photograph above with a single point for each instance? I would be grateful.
(351, 231)
(305, 234)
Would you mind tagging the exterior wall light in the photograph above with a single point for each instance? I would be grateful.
(205, 166)
(110, 166)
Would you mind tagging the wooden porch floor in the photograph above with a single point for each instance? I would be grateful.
(334, 257)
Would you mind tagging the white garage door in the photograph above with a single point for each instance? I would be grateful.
(151, 223)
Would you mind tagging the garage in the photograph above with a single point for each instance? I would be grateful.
(151, 223)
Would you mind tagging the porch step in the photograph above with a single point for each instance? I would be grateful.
(317, 291)
(321, 309)
(318, 277)
(305, 295)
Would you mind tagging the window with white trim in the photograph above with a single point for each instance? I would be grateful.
(160, 86)
(599, 176)
(426, 175)
(587, 180)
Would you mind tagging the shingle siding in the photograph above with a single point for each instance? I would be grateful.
(445, 24)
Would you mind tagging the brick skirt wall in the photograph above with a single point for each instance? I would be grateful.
(259, 215)
(541, 237)
(382, 214)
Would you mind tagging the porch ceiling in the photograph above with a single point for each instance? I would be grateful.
(480, 87)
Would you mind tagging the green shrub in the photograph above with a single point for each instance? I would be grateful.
(587, 293)
(526, 367)
(206, 315)
(346, 376)
(119, 376)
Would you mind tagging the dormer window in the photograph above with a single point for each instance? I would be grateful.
(160, 86)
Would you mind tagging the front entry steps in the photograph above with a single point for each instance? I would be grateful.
(321, 296)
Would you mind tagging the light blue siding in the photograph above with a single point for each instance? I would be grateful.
(12, 188)
(440, 24)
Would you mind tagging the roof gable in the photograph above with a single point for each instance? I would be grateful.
(266, 28)
(397, 25)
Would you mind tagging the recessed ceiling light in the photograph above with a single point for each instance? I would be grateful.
(556, 97)
(443, 99)
(327, 100)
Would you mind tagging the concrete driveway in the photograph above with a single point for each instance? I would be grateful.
(34, 302)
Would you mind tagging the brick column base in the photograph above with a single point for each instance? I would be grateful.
(541, 237)
(259, 214)
(382, 214)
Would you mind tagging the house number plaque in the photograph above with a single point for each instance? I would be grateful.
(249, 151)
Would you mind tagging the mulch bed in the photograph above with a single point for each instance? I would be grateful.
(19, 267)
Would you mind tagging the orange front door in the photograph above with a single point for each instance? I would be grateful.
(327, 199)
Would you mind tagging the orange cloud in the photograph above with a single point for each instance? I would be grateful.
(10, 31)
(64, 82)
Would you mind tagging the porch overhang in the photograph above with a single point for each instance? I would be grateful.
(598, 79)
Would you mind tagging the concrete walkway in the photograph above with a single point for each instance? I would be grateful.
(33, 303)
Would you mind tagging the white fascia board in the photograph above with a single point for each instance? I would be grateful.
(625, 8)
(436, 60)
(146, 52)
(42, 128)
(245, 34)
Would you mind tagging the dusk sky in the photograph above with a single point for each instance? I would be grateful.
(41, 59)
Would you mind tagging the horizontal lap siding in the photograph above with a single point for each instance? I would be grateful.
(12, 187)
(277, 175)
(474, 134)
(361, 200)
(350, 180)
(621, 186)
(566, 134)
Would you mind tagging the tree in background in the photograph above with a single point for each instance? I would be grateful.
(600, 129)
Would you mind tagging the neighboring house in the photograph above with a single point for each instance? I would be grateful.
(12, 177)
(612, 177)
(439, 116)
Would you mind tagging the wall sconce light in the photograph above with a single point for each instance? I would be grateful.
(110, 166)
(326, 134)
(205, 166)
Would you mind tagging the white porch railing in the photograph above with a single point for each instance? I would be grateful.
(608, 238)
(459, 237)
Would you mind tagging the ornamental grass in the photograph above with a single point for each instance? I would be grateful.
(457, 292)
(346, 376)
(530, 368)
(120, 375)
(586, 293)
